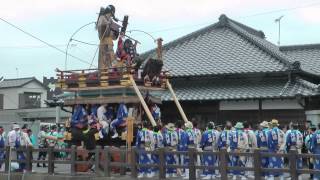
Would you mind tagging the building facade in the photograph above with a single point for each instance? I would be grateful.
(229, 71)
(23, 100)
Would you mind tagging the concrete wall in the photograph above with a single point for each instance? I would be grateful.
(11, 95)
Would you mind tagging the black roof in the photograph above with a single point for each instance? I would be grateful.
(307, 54)
(18, 82)
(226, 47)
(244, 88)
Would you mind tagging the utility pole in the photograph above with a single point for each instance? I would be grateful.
(278, 20)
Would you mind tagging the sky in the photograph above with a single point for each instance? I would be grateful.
(54, 21)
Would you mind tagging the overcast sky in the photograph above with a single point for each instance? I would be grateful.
(54, 21)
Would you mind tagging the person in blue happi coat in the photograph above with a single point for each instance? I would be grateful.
(158, 143)
(224, 139)
(170, 142)
(294, 141)
(262, 143)
(78, 122)
(156, 112)
(181, 146)
(307, 142)
(315, 149)
(190, 142)
(238, 143)
(121, 115)
(145, 142)
(208, 143)
(2, 146)
(275, 145)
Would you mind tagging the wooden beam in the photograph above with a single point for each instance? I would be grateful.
(144, 105)
(260, 110)
(113, 87)
(184, 117)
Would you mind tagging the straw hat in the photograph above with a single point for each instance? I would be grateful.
(170, 126)
(188, 125)
(274, 122)
(264, 124)
(239, 125)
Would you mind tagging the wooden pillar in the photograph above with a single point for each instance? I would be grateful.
(218, 113)
(50, 160)
(260, 110)
(257, 164)
(82, 80)
(175, 99)
(104, 79)
(123, 152)
(97, 159)
(293, 164)
(73, 159)
(134, 163)
(192, 169)
(162, 164)
(223, 163)
(28, 159)
(7, 160)
(106, 165)
(144, 104)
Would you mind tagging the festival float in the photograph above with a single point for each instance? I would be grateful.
(124, 90)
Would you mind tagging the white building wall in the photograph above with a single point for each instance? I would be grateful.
(10, 98)
(11, 95)
(313, 116)
(254, 104)
(281, 104)
(239, 105)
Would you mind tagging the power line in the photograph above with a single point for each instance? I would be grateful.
(48, 44)
(30, 46)
(281, 10)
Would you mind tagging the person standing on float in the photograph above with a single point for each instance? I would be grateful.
(107, 32)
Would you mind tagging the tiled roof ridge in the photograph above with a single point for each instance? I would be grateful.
(299, 47)
(276, 53)
(307, 84)
(204, 30)
(248, 29)
(14, 79)
(20, 80)
(183, 38)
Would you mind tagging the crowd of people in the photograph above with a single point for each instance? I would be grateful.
(20, 137)
(267, 137)
(241, 137)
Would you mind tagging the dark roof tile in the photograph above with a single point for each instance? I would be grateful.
(208, 89)
(227, 47)
(308, 55)
(19, 82)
